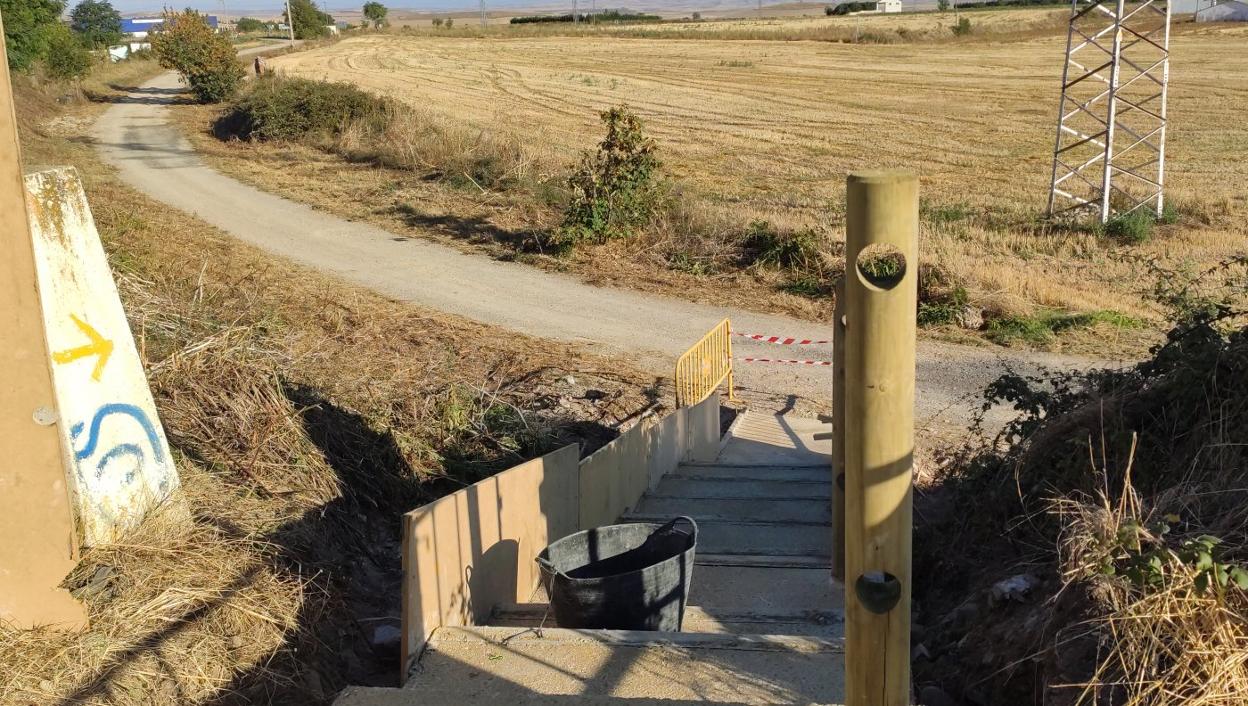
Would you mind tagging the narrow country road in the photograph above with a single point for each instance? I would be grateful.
(152, 156)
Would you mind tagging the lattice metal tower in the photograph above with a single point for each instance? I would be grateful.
(1111, 126)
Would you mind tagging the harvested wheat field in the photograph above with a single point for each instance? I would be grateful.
(767, 130)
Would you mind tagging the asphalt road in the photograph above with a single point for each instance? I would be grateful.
(151, 155)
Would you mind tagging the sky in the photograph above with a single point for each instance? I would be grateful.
(273, 7)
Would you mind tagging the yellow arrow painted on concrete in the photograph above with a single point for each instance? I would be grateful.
(99, 346)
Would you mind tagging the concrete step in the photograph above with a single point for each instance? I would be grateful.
(379, 696)
(812, 473)
(812, 623)
(660, 509)
(498, 665)
(748, 489)
(765, 538)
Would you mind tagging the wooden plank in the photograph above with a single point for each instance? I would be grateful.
(37, 537)
(471, 550)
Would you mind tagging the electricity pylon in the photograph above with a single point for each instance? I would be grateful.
(1109, 158)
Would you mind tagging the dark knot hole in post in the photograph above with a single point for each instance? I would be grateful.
(878, 591)
(881, 266)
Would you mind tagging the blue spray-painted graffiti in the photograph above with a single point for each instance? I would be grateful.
(123, 450)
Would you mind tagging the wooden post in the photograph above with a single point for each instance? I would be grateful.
(880, 302)
(838, 434)
(37, 537)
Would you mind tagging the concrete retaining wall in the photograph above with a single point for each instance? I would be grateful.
(469, 551)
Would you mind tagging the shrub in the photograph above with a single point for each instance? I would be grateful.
(962, 28)
(944, 309)
(616, 189)
(279, 108)
(250, 24)
(27, 27)
(1133, 227)
(206, 60)
(65, 57)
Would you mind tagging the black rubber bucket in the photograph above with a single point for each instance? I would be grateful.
(622, 577)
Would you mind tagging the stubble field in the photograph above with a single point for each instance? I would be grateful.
(766, 130)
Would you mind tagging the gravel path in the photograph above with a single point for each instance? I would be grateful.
(151, 155)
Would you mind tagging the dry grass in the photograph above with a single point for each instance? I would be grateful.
(1168, 641)
(305, 416)
(766, 131)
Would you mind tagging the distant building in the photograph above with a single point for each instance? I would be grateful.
(1225, 11)
(139, 27)
(888, 6)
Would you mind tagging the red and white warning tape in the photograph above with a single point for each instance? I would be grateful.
(781, 340)
(790, 362)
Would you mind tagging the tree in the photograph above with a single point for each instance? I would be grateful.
(309, 22)
(64, 56)
(249, 24)
(28, 24)
(97, 23)
(942, 5)
(205, 59)
(375, 12)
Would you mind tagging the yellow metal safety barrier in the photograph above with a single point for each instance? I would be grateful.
(706, 365)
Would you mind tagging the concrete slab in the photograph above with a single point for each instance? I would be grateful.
(810, 473)
(724, 621)
(816, 511)
(764, 589)
(499, 665)
(765, 439)
(694, 487)
(764, 538)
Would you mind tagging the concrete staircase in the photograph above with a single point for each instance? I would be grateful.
(764, 624)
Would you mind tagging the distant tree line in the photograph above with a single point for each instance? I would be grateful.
(1008, 3)
(605, 16)
(847, 7)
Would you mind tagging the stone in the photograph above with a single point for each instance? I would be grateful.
(1016, 588)
(971, 317)
(386, 639)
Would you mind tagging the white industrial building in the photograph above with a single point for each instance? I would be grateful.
(1225, 11)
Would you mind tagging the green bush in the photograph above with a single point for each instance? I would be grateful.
(250, 24)
(206, 60)
(279, 108)
(962, 28)
(27, 26)
(64, 56)
(944, 309)
(614, 190)
(1134, 227)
